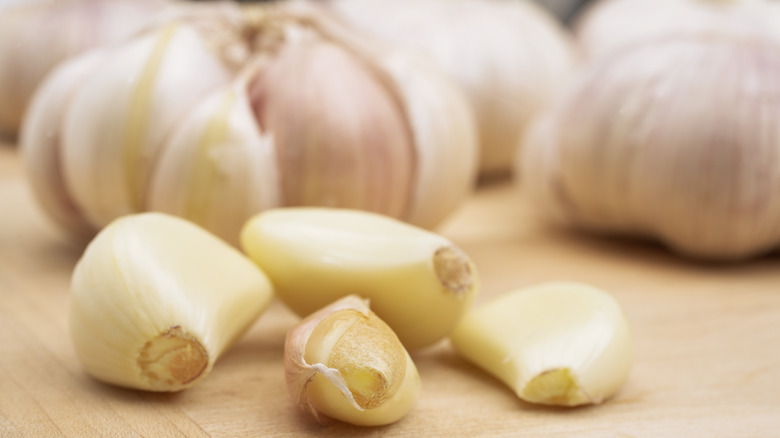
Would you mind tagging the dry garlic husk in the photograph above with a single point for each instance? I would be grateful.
(105, 132)
(674, 139)
(315, 256)
(607, 25)
(509, 56)
(344, 363)
(324, 117)
(36, 35)
(564, 344)
(155, 301)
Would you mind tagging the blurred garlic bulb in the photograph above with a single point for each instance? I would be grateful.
(676, 139)
(610, 24)
(509, 56)
(96, 126)
(37, 35)
(321, 117)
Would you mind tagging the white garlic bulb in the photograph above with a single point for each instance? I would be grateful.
(509, 56)
(609, 24)
(36, 35)
(675, 139)
(90, 140)
(321, 117)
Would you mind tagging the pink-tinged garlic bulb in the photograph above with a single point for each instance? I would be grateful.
(99, 121)
(510, 57)
(36, 35)
(609, 24)
(676, 139)
(321, 117)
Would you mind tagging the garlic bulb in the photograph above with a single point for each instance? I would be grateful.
(509, 56)
(565, 344)
(322, 117)
(36, 35)
(90, 141)
(344, 363)
(405, 271)
(156, 300)
(675, 139)
(609, 24)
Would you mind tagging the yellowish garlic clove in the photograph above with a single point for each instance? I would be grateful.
(155, 301)
(344, 363)
(315, 256)
(565, 344)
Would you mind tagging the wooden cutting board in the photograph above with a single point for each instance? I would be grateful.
(707, 343)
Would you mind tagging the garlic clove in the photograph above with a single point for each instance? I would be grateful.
(155, 300)
(218, 168)
(565, 344)
(118, 121)
(41, 142)
(440, 116)
(344, 363)
(315, 256)
(341, 137)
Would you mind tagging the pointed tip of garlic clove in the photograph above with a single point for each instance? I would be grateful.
(345, 363)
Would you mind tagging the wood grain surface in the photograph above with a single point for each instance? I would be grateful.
(707, 343)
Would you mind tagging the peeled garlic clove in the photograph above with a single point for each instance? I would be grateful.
(155, 300)
(674, 139)
(315, 256)
(41, 142)
(37, 35)
(344, 363)
(564, 344)
(510, 57)
(218, 168)
(120, 118)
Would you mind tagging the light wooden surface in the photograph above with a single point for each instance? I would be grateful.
(707, 344)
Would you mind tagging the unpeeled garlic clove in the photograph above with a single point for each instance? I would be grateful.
(42, 142)
(418, 282)
(562, 344)
(155, 300)
(344, 363)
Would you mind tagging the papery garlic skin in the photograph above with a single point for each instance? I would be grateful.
(418, 282)
(122, 115)
(509, 57)
(606, 25)
(41, 142)
(564, 344)
(344, 363)
(36, 35)
(155, 300)
(674, 139)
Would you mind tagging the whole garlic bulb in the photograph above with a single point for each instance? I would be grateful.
(610, 24)
(322, 118)
(256, 108)
(509, 56)
(36, 35)
(675, 139)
